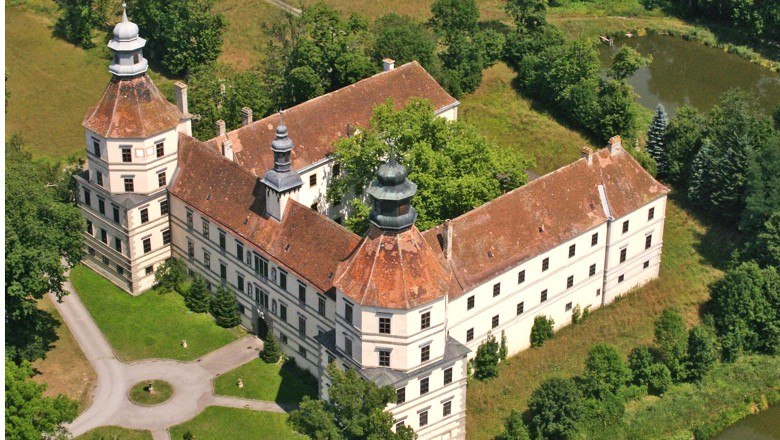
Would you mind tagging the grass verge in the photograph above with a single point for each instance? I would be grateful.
(150, 325)
(115, 432)
(263, 381)
(236, 424)
(140, 394)
(65, 370)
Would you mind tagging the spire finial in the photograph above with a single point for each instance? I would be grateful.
(124, 12)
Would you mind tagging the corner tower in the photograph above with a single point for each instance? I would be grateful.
(132, 151)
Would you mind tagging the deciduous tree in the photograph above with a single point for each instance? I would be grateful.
(626, 62)
(556, 408)
(79, 19)
(404, 39)
(514, 428)
(542, 330)
(486, 359)
(671, 342)
(702, 352)
(605, 372)
(170, 275)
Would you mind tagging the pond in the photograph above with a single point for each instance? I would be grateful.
(762, 426)
(688, 73)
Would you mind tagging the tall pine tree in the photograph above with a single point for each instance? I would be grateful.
(224, 308)
(655, 140)
(198, 296)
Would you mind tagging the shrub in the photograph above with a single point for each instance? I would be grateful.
(576, 314)
(556, 408)
(224, 308)
(671, 342)
(605, 372)
(486, 359)
(514, 428)
(639, 361)
(702, 352)
(170, 275)
(271, 352)
(659, 379)
(542, 330)
(198, 296)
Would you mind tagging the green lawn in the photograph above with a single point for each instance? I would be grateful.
(150, 325)
(236, 424)
(115, 433)
(264, 381)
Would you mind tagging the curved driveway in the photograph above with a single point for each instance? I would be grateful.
(191, 381)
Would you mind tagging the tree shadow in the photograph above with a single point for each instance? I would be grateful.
(30, 339)
(296, 383)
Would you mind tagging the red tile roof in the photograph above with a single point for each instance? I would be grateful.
(395, 271)
(131, 108)
(541, 215)
(306, 242)
(316, 124)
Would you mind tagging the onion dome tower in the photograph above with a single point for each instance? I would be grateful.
(282, 181)
(127, 47)
(392, 193)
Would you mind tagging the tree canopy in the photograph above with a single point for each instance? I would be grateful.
(454, 167)
(605, 371)
(671, 342)
(355, 410)
(556, 407)
(404, 39)
(80, 19)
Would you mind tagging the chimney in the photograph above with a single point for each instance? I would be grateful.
(220, 128)
(447, 238)
(227, 149)
(246, 116)
(388, 64)
(586, 153)
(615, 145)
(181, 97)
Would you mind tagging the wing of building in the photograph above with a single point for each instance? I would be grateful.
(406, 308)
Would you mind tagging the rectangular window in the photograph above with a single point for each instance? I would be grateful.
(283, 338)
(348, 312)
(544, 296)
(301, 326)
(598, 292)
(592, 270)
(105, 260)
(336, 170)
(494, 322)
(120, 270)
(149, 270)
(190, 249)
(102, 205)
(222, 244)
(384, 325)
(160, 148)
(99, 178)
(239, 251)
(189, 219)
(283, 312)
(207, 259)
(161, 179)
(164, 210)
(425, 320)
(302, 351)
(521, 277)
(425, 353)
(321, 306)
(568, 306)
(625, 226)
(520, 308)
(646, 265)
(572, 250)
(384, 358)
(569, 281)
(650, 214)
(129, 187)
(594, 239)
(621, 278)
(400, 395)
(264, 298)
(283, 279)
(348, 346)
(470, 303)
(127, 156)
(424, 385)
(313, 180)
(96, 147)
(147, 245)
(496, 289)
(447, 408)
(206, 228)
(469, 334)
(261, 266)
(448, 376)
(648, 241)
(302, 293)
(103, 236)
(623, 253)
(545, 264)
(423, 419)
(144, 215)
(240, 282)
(166, 236)
(89, 227)
(118, 244)
(115, 212)
(87, 197)
(223, 271)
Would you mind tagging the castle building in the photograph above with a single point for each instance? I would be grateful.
(406, 308)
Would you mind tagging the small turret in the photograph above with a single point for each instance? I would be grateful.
(127, 47)
(281, 181)
(392, 193)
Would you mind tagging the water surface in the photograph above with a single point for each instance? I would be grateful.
(762, 426)
(689, 73)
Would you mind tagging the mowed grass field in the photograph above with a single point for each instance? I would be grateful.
(65, 370)
(115, 432)
(236, 424)
(263, 381)
(151, 325)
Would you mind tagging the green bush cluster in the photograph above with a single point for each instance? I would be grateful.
(542, 330)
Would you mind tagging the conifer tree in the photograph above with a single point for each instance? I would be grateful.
(503, 351)
(198, 296)
(271, 352)
(224, 308)
(655, 140)
(698, 183)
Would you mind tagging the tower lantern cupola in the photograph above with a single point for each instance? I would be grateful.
(281, 182)
(127, 47)
(392, 193)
